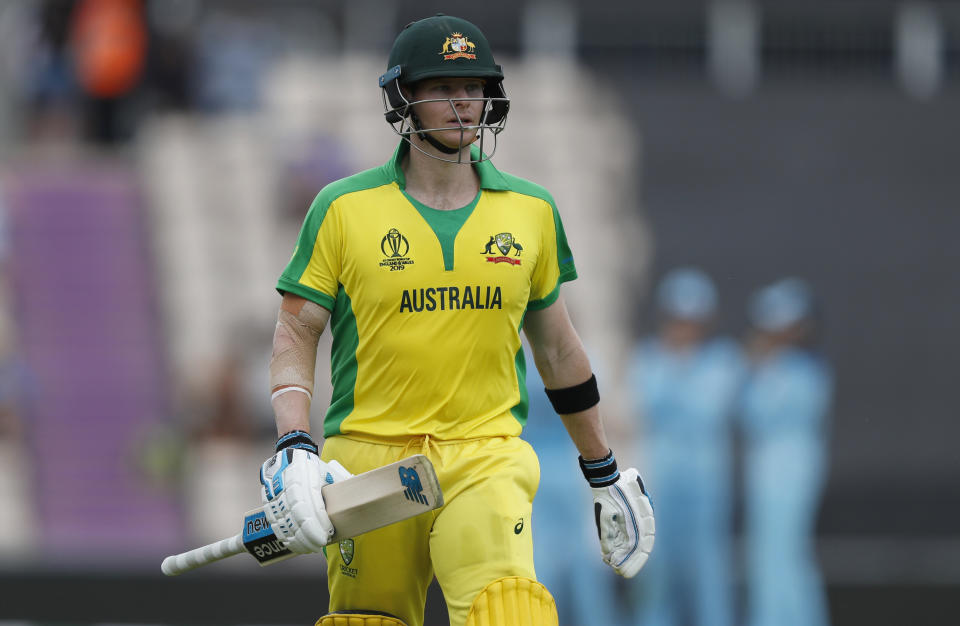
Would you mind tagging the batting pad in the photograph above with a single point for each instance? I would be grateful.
(359, 618)
(513, 601)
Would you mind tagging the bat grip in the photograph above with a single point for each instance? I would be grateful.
(179, 563)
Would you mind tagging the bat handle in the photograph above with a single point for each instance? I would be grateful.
(180, 563)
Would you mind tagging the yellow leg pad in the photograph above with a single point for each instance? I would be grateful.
(359, 619)
(513, 601)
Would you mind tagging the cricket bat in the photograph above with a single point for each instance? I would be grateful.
(361, 503)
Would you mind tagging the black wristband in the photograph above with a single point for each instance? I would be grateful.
(298, 439)
(600, 472)
(576, 398)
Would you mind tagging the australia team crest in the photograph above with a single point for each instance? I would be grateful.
(347, 550)
(457, 46)
(505, 244)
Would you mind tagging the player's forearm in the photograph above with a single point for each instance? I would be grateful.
(292, 412)
(293, 362)
(586, 431)
(568, 366)
(563, 365)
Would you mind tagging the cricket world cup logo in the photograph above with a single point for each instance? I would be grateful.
(395, 247)
(394, 244)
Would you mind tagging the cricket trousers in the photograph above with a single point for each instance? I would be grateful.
(480, 534)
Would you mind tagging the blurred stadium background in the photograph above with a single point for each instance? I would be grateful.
(156, 159)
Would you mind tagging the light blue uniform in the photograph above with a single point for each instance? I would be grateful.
(686, 400)
(784, 413)
(566, 550)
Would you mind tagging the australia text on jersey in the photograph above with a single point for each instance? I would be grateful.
(450, 298)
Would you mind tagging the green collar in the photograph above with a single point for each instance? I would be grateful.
(490, 177)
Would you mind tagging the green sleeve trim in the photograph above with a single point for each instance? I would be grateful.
(568, 270)
(566, 274)
(306, 240)
(285, 285)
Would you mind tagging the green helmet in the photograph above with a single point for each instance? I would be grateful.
(442, 46)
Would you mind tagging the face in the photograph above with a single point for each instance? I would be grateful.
(451, 111)
(682, 333)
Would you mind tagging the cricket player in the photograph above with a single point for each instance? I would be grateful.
(426, 270)
(784, 412)
(686, 382)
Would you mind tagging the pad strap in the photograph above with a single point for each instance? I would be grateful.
(297, 439)
(576, 398)
(600, 472)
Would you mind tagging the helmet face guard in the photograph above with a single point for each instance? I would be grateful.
(399, 113)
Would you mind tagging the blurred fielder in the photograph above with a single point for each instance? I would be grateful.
(784, 414)
(426, 269)
(686, 384)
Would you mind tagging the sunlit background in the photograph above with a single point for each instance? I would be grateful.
(157, 158)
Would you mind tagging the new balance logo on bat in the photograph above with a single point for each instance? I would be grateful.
(259, 540)
(414, 490)
(269, 549)
(256, 525)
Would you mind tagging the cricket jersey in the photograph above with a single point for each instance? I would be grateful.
(426, 305)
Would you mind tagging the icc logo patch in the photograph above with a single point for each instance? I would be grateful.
(504, 242)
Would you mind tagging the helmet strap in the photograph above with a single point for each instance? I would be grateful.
(430, 139)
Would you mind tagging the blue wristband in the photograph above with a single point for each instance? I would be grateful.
(600, 472)
(297, 439)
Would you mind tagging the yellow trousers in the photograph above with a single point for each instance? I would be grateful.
(481, 533)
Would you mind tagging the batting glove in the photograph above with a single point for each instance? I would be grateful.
(291, 480)
(623, 513)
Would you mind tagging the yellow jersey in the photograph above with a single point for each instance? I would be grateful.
(427, 305)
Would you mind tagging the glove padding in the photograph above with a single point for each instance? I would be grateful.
(625, 523)
(292, 479)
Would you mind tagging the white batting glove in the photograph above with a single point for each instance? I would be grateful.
(292, 479)
(623, 514)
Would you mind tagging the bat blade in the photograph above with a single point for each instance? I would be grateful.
(382, 496)
(362, 503)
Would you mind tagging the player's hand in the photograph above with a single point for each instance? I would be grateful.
(292, 479)
(625, 523)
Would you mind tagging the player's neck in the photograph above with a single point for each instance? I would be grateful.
(439, 184)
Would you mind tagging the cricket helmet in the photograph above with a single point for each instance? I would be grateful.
(443, 46)
(781, 305)
(687, 293)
